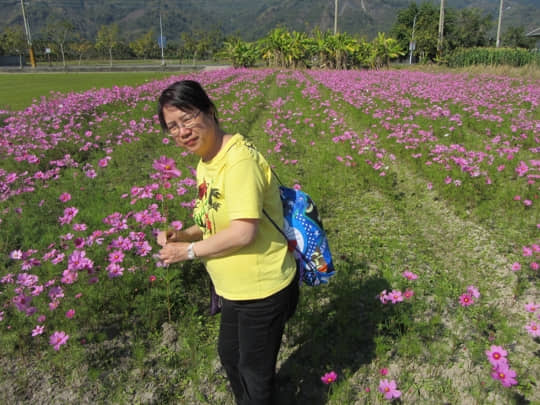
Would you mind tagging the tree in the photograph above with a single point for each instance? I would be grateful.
(81, 48)
(146, 46)
(425, 20)
(383, 50)
(14, 41)
(58, 33)
(242, 54)
(515, 37)
(469, 28)
(107, 39)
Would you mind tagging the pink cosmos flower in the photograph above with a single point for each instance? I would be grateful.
(504, 374)
(466, 299)
(527, 251)
(534, 266)
(516, 266)
(329, 378)
(531, 307)
(16, 254)
(533, 329)
(473, 291)
(297, 186)
(408, 293)
(517, 198)
(166, 167)
(527, 203)
(152, 278)
(395, 296)
(496, 355)
(38, 330)
(65, 197)
(409, 275)
(70, 313)
(383, 371)
(116, 257)
(389, 389)
(58, 339)
(104, 162)
(177, 225)
(383, 297)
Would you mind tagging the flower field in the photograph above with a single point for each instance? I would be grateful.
(428, 187)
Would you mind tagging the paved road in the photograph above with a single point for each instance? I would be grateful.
(43, 68)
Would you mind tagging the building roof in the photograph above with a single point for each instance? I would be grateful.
(534, 33)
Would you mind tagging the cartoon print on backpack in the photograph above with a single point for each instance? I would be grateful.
(304, 230)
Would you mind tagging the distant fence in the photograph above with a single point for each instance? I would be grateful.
(12, 60)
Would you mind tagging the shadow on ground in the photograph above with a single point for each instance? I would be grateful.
(338, 324)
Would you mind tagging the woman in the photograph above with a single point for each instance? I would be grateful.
(245, 256)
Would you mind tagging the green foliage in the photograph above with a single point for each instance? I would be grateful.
(107, 39)
(493, 56)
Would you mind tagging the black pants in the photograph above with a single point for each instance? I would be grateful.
(249, 340)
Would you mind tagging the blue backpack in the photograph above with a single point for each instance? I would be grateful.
(304, 232)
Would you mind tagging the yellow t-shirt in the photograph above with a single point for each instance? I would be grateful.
(236, 184)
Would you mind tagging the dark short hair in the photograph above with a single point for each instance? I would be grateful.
(186, 95)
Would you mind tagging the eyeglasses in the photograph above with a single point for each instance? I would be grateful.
(188, 121)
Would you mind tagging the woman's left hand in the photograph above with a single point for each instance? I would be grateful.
(174, 252)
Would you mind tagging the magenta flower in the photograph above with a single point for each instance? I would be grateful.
(389, 389)
(38, 330)
(473, 291)
(166, 167)
(466, 299)
(70, 313)
(16, 254)
(329, 378)
(383, 297)
(409, 275)
(395, 296)
(534, 266)
(116, 257)
(383, 371)
(531, 307)
(177, 225)
(496, 355)
(533, 329)
(65, 197)
(504, 374)
(408, 293)
(516, 266)
(58, 339)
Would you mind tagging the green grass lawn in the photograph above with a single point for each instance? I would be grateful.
(18, 90)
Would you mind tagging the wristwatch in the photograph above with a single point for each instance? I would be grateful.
(191, 252)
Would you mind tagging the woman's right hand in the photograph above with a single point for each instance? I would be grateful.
(166, 236)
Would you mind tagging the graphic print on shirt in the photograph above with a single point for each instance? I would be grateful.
(207, 204)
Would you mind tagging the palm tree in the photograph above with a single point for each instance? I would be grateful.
(383, 50)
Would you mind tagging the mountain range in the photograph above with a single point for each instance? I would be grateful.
(248, 19)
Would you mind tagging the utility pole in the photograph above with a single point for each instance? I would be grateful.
(28, 37)
(441, 29)
(161, 44)
(335, 16)
(412, 45)
(499, 25)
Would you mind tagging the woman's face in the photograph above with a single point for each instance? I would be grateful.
(193, 131)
